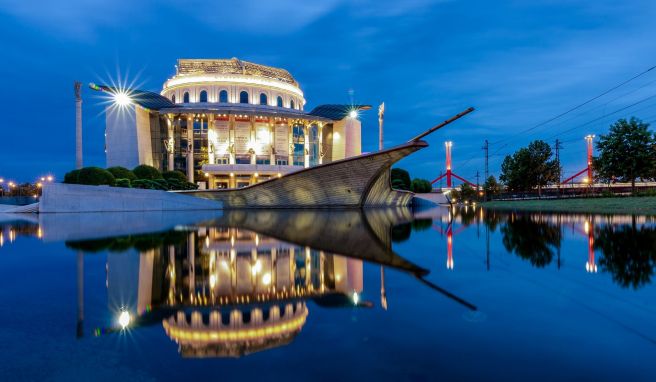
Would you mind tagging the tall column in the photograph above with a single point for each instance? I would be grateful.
(252, 140)
(170, 146)
(381, 115)
(231, 138)
(320, 153)
(211, 139)
(290, 131)
(191, 256)
(190, 149)
(78, 124)
(272, 140)
(306, 146)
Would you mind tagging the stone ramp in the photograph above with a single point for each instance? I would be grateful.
(27, 209)
(59, 197)
(431, 198)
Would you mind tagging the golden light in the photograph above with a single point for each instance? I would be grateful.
(49, 178)
(279, 175)
(207, 175)
(124, 319)
(212, 281)
(39, 184)
(266, 279)
(232, 174)
(256, 175)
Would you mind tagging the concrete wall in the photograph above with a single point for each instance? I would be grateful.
(59, 197)
(347, 138)
(121, 137)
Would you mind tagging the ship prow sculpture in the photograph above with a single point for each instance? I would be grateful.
(356, 182)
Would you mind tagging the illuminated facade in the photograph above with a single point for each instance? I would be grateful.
(228, 123)
(230, 291)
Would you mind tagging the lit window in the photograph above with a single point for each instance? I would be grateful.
(263, 99)
(243, 97)
(279, 102)
(203, 96)
(185, 97)
(223, 96)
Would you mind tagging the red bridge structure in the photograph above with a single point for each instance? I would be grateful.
(449, 174)
(589, 138)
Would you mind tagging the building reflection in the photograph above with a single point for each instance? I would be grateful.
(221, 289)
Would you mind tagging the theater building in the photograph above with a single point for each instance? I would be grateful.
(227, 123)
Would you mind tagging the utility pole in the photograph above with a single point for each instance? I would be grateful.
(486, 148)
(557, 148)
(478, 187)
(78, 124)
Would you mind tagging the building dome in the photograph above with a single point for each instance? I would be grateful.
(232, 81)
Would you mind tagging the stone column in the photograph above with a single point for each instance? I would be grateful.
(171, 145)
(320, 132)
(306, 145)
(272, 140)
(231, 138)
(211, 140)
(252, 140)
(190, 149)
(290, 141)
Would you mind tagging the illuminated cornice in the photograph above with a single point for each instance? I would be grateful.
(180, 81)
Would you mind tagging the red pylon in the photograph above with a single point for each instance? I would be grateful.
(589, 138)
(448, 174)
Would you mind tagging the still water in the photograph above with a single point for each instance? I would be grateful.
(439, 294)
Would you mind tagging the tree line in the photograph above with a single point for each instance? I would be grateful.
(627, 153)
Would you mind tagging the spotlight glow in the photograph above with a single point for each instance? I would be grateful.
(353, 113)
(124, 319)
(122, 99)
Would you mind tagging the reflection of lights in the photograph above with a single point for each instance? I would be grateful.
(257, 240)
(338, 277)
(356, 298)
(2, 239)
(591, 267)
(586, 227)
(124, 319)
(224, 264)
(266, 279)
(39, 233)
(212, 281)
(207, 241)
(257, 267)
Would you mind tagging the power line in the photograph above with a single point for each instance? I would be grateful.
(579, 106)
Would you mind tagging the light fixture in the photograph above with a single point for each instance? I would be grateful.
(122, 98)
(356, 298)
(353, 113)
(124, 319)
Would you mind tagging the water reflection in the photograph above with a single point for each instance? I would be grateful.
(239, 283)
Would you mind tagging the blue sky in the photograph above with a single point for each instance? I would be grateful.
(518, 62)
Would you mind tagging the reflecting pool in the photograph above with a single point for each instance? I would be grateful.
(380, 294)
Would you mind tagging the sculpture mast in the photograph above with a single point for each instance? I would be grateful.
(381, 116)
(78, 124)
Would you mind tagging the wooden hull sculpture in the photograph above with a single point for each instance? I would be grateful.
(356, 182)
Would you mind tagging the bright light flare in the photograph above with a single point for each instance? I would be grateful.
(353, 114)
(122, 98)
(356, 298)
(124, 319)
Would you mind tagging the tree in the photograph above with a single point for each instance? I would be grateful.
(147, 172)
(626, 153)
(530, 167)
(122, 173)
(491, 186)
(420, 186)
(400, 179)
(95, 176)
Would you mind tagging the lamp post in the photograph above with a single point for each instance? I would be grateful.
(78, 124)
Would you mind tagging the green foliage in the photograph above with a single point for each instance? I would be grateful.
(95, 176)
(178, 185)
(491, 186)
(122, 182)
(467, 192)
(178, 175)
(400, 179)
(530, 167)
(626, 153)
(122, 173)
(147, 172)
(148, 184)
(531, 240)
(72, 177)
(421, 186)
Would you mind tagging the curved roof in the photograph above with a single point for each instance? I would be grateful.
(143, 98)
(188, 66)
(336, 112)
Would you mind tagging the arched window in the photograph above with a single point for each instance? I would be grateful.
(243, 97)
(279, 101)
(263, 99)
(185, 97)
(203, 96)
(223, 96)
(291, 103)
(173, 98)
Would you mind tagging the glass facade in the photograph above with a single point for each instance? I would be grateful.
(299, 145)
(313, 141)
